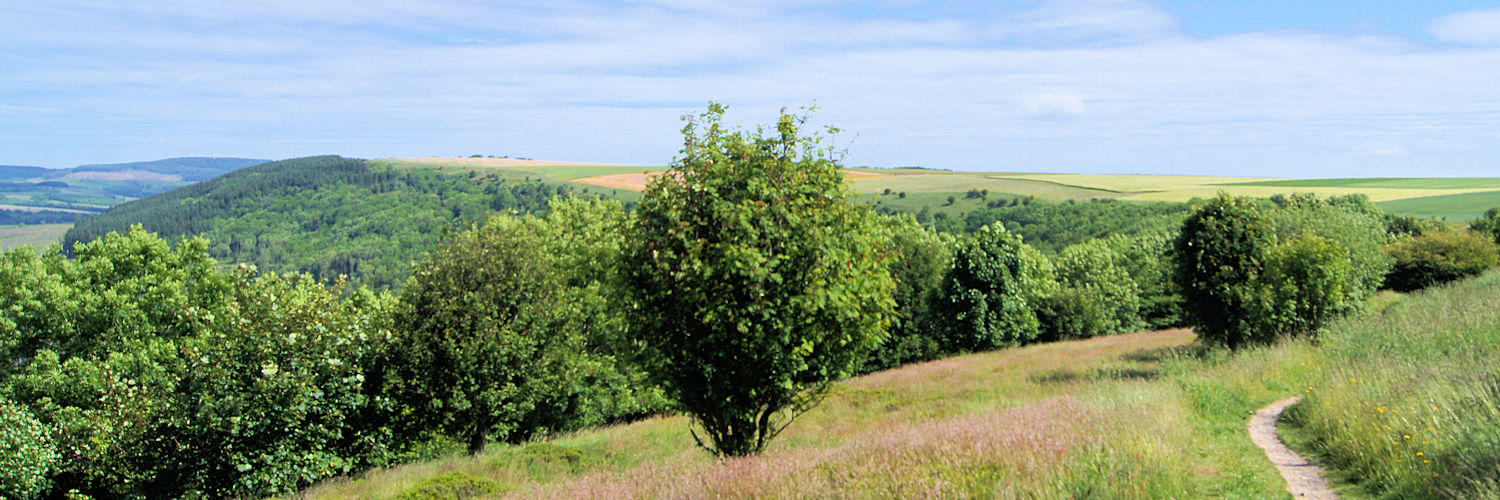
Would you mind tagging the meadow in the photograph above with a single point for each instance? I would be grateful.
(1397, 401)
(37, 235)
(1455, 198)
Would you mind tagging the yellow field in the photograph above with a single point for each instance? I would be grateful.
(929, 187)
(1187, 187)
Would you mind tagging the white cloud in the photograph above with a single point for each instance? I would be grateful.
(1475, 27)
(1073, 85)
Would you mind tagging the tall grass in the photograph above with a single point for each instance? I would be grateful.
(1408, 400)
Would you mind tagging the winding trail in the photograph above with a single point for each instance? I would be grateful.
(1304, 479)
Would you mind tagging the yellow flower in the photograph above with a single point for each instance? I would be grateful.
(1426, 461)
(1420, 454)
(1406, 436)
(1424, 442)
(1380, 409)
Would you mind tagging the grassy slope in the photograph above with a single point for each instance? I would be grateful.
(1111, 417)
(1454, 206)
(1460, 198)
(1401, 400)
(39, 235)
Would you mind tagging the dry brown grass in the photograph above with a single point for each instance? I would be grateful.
(632, 181)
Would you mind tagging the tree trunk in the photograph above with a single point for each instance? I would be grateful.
(477, 440)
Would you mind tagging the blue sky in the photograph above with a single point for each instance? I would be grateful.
(1267, 88)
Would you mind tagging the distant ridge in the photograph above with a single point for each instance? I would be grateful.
(190, 169)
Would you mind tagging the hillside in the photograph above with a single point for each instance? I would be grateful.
(325, 215)
(912, 189)
(35, 195)
(1145, 415)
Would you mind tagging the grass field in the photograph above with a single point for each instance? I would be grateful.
(1454, 206)
(1128, 416)
(1395, 183)
(39, 235)
(1456, 198)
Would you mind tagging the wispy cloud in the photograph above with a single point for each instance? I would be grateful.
(1477, 27)
(1065, 85)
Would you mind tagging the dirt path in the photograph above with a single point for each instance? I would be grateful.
(1304, 479)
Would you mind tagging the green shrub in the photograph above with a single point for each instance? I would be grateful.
(1304, 284)
(26, 453)
(987, 291)
(1095, 296)
(1439, 257)
(1489, 224)
(1218, 254)
(451, 486)
(920, 256)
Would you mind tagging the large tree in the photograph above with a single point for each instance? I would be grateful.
(480, 337)
(1219, 253)
(756, 281)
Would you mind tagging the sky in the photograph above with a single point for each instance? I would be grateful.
(1275, 88)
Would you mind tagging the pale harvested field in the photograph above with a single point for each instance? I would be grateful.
(1186, 187)
(38, 235)
(633, 181)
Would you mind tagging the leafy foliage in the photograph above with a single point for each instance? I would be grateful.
(479, 333)
(1220, 250)
(324, 215)
(1146, 259)
(757, 282)
(451, 486)
(1488, 224)
(1305, 283)
(1095, 295)
(986, 293)
(1438, 257)
(161, 374)
(26, 453)
(1050, 227)
(919, 257)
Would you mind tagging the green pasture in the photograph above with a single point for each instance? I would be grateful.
(1454, 206)
(37, 235)
(1390, 182)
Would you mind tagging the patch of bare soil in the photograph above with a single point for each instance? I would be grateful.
(1304, 479)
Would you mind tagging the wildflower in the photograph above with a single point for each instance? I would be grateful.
(1380, 409)
(1426, 461)
(1420, 454)
(1424, 442)
(1406, 436)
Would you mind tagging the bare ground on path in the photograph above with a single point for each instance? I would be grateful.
(1304, 479)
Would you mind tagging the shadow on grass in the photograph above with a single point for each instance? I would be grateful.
(1096, 374)
(1190, 351)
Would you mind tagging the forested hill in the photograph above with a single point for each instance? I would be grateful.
(325, 215)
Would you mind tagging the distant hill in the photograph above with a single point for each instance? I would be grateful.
(26, 192)
(190, 169)
(11, 172)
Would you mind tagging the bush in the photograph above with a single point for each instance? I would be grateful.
(1095, 296)
(1439, 257)
(451, 486)
(986, 293)
(1304, 284)
(1488, 224)
(479, 333)
(920, 257)
(1218, 254)
(26, 453)
(1146, 258)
